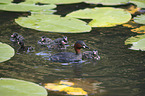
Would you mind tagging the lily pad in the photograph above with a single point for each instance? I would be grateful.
(6, 52)
(140, 45)
(6, 1)
(15, 87)
(21, 7)
(139, 3)
(138, 42)
(54, 1)
(135, 39)
(107, 2)
(140, 19)
(53, 23)
(141, 29)
(103, 17)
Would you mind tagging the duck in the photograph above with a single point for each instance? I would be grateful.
(70, 56)
(91, 55)
(45, 41)
(15, 37)
(24, 48)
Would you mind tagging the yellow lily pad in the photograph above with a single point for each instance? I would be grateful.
(141, 29)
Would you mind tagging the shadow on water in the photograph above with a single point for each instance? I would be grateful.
(120, 70)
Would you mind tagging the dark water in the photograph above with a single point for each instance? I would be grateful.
(120, 70)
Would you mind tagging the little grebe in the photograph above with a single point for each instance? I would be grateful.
(24, 48)
(59, 40)
(44, 41)
(69, 56)
(91, 55)
(60, 45)
(15, 37)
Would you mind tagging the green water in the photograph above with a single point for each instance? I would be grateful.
(120, 70)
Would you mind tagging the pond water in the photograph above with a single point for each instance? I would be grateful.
(120, 70)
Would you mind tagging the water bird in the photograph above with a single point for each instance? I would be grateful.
(15, 37)
(91, 55)
(45, 41)
(69, 56)
(24, 48)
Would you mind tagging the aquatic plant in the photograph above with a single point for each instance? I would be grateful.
(139, 3)
(21, 7)
(107, 2)
(102, 17)
(6, 52)
(53, 23)
(6, 1)
(138, 42)
(140, 19)
(15, 87)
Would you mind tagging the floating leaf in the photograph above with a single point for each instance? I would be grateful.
(140, 19)
(6, 52)
(135, 39)
(54, 1)
(15, 87)
(139, 30)
(107, 2)
(139, 3)
(6, 1)
(53, 23)
(103, 17)
(140, 45)
(21, 7)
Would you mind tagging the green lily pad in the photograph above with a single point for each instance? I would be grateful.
(6, 52)
(103, 17)
(140, 45)
(15, 87)
(138, 42)
(132, 40)
(53, 23)
(107, 2)
(139, 3)
(6, 1)
(54, 1)
(21, 7)
(140, 19)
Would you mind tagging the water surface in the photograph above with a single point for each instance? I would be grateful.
(120, 70)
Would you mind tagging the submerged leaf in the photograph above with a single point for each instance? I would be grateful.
(139, 30)
(53, 23)
(103, 17)
(21, 7)
(107, 2)
(139, 3)
(6, 52)
(15, 87)
(131, 24)
(74, 91)
(140, 19)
